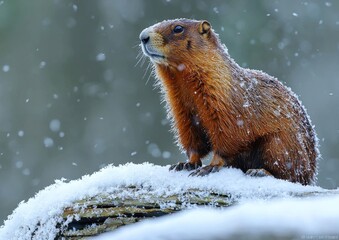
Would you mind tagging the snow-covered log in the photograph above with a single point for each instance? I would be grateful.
(106, 212)
(117, 196)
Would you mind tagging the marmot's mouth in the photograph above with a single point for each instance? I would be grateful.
(151, 54)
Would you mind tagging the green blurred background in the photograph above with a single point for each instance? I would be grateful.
(72, 99)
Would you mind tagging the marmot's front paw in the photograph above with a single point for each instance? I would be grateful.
(203, 171)
(184, 166)
(260, 172)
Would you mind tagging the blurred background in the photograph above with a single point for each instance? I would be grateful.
(73, 100)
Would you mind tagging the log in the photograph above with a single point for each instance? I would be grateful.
(124, 195)
(106, 212)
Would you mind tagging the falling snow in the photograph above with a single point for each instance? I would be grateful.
(154, 150)
(42, 64)
(75, 8)
(48, 113)
(6, 68)
(166, 154)
(54, 125)
(21, 133)
(101, 57)
(48, 142)
(26, 172)
(19, 164)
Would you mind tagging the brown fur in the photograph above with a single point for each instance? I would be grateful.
(247, 118)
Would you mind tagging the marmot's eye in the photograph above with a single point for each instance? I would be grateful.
(178, 29)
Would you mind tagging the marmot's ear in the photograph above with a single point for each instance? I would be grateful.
(204, 27)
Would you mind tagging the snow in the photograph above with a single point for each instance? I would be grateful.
(19, 164)
(42, 64)
(48, 142)
(45, 208)
(166, 154)
(5, 68)
(101, 57)
(154, 150)
(21, 133)
(181, 67)
(301, 218)
(54, 125)
(75, 8)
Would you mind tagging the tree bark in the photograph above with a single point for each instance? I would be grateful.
(106, 212)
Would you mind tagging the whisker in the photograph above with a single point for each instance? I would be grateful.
(150, 74)
(141, 57)
(147, 69)
(139, 54)
(144, 58)
(136, 45)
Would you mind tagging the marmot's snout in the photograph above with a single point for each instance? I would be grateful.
(144, 36)
(150, 42)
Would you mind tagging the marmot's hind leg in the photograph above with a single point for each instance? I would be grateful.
(267, 156)
(284, 159)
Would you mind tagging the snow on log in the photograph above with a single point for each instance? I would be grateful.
(297, 218)
(117, 196)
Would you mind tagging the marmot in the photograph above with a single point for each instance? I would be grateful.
(247, 118)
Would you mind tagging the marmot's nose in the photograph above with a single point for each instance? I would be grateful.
(144, 36)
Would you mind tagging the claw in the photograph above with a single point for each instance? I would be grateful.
(191, 166)
(205, 171)
(177, 167)
(258, 172)
(184, 166)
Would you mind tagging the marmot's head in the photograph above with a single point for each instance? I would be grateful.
(179, 43)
